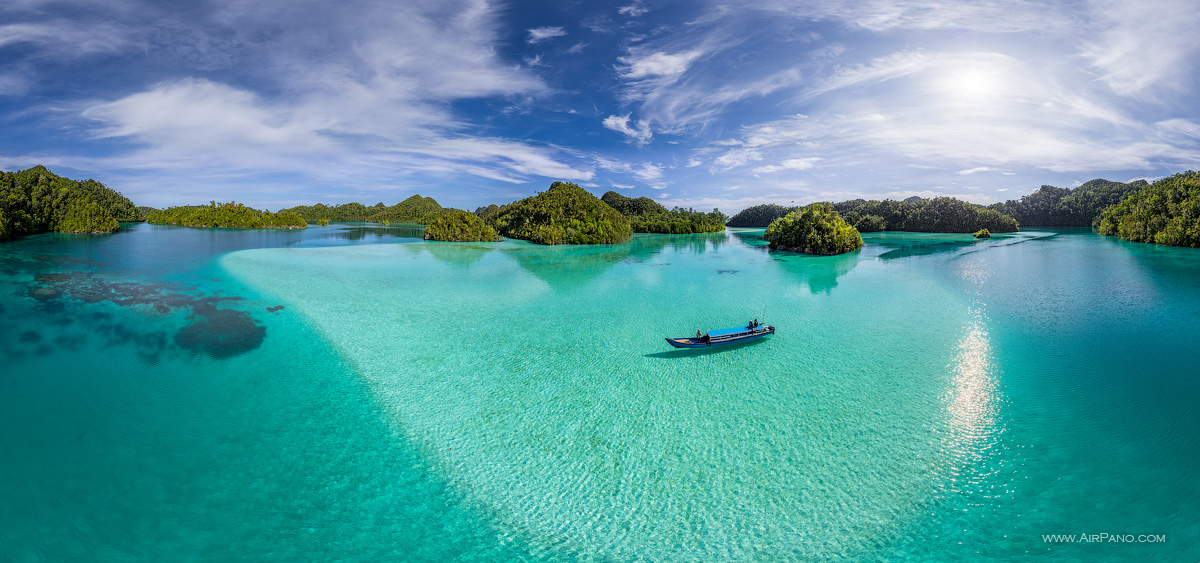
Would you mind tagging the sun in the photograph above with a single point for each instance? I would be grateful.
(972, 85)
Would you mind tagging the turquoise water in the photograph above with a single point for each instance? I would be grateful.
(928, 398)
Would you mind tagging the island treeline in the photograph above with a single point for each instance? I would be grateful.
(759, 215)
(935, 215)
(814, 229)
(415, 209)
(1064, 207)
(460, 226)
(230, 215)
(38, 201)
(648, 216)
(346, 212)
(563, 214)
(1165, 212)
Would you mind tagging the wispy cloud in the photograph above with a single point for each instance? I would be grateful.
(640, 133)
(975, 170)
(539, 34)
(633, 10)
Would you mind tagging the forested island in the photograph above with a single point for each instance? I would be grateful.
(38, 201)
(936, 215)
(1165, 212)
(460, 226)
(648, 216)
(229, 215)
(815, 229)
(759, 215)
(1063, 207)
(563, 214)
(346, 212)
(415, 209)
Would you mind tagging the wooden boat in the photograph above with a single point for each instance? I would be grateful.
(723, 337)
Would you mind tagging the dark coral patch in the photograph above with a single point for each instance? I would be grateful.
(222, 333)
(275, 309)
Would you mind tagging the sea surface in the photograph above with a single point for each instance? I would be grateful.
(354, 393)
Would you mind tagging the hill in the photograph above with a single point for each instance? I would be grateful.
(228, 215)
(416, 209)
(648, 216)
(344, 212)
(936, 215)
(1166, 212)
(38, 201)
(759, 215)
(1063, 207)
(563, 214)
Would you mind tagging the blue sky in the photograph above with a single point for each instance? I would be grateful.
(701, 103)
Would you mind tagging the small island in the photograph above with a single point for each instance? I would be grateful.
(457, 225)
(648, 216)
(1166, 212)
(563, 214)
(227, 215)
(983, 233)
(815, 229)
(38, 201)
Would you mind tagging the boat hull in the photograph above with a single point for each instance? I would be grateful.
(701, 343)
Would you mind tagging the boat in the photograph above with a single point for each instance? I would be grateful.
(723, 336)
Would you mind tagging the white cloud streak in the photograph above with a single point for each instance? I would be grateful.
(539, 34)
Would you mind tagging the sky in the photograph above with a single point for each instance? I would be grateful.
(696, 103)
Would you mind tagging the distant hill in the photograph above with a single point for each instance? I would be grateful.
(1166, 212)
(38, 201)
(343, 212)
(1065, 207)
(648, 216)
(416, 209)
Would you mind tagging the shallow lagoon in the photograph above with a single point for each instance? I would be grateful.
(929, 397)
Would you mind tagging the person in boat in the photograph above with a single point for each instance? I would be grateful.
(699, 334)
(756, 325)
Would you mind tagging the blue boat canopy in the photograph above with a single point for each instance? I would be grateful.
(725, 331)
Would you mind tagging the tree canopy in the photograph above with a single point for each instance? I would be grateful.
(1062, 207)
(563, 214)
(38, 201)
(231, 215)
(458, 225)
(415, 209)
(1166, 212)
(346, 212)
(936, 215)
(759, 215)
(815, 229)
(648, 216)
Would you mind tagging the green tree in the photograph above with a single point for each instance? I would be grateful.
(563, 214)
(815, 229)
(457, 225)
(1166, 212)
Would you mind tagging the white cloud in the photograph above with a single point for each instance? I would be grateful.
(621, 186)
(694, 162)
(640, 134)
(733, 159)
(976, 169)
(648, 172)
(539, 34)
(789, 164)
(657, 64)
(67, 39)
(633, 10)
